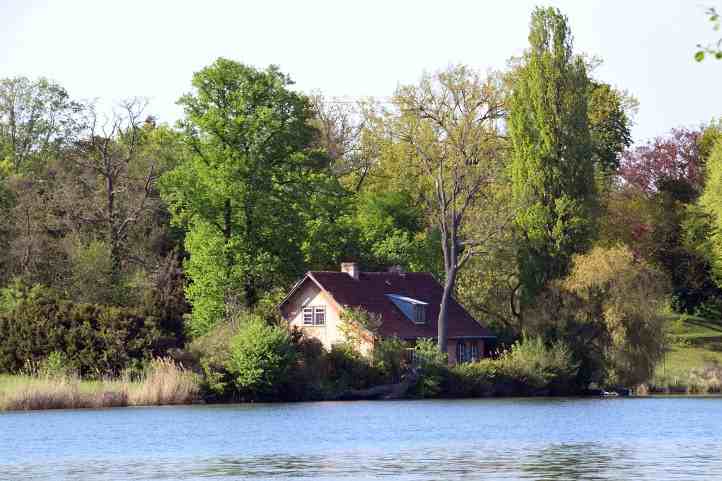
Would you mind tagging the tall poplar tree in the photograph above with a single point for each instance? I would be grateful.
(552, 162)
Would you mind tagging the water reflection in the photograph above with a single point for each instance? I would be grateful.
(560, 462)
(494, 440)
(586, 461)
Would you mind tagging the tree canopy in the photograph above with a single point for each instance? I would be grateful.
(551, 166)
(251, 163)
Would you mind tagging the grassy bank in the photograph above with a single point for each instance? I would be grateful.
(694, 363)
(164, 382)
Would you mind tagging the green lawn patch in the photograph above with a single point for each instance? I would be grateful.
(694, 357)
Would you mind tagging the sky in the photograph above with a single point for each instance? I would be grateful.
(111, 50)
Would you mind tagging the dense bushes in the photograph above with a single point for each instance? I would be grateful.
(93, 340)
(529, 368)
(251, 359)
(261, 357)
(433, 367)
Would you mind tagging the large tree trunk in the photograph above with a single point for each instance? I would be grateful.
(113, 234)
(443, 326)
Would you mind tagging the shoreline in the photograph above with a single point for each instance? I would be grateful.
(202, 402)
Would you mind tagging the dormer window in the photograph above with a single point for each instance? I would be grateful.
(413, 309)
(419, 314)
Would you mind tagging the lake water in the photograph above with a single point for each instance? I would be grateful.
(540, 439)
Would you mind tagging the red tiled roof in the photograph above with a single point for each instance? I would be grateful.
(370, 292)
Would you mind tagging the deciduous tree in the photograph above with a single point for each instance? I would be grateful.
(448, 125)
(36, 118)
(240, 191)
(711, 202)
(552, 169)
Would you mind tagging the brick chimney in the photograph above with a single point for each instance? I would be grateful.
(350, 268)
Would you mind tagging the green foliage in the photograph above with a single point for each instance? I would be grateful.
(528, 368)
(331, 231)
(96, 340)
(209, 277)
(433, 366)
(261, 359)
(91, 267)
(308, 378)
(536, 366)
(378, 229)
(476, 379)
(239, 194)
(346, 368)
(714, 49)
(609, 311)
(14, 293)
(552, 171)
(37, 117)
(56, 365)
(359, 327)
(609, 127)
(212, 351)
(389, 358)
(711, 203)
(165, 301)
(711, 134)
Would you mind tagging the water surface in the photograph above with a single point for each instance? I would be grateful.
(539, 439)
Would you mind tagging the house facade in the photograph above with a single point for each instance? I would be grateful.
(406, 302)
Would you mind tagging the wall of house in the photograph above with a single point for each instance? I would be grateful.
(329, 334)
(311, 296)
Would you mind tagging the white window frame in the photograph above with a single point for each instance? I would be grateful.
(314, 316)
(308, 311)
(319, 320)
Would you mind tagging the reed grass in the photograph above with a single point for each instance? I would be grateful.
(163, 382)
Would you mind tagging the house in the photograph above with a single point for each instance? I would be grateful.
(407, 303)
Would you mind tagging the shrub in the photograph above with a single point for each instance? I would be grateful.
(345, 368)
(432, 366)
(307, 375)
(474, 379)
(95, 340)
(165, 301)
(534, 367)
(389, 359)
(359, 327)
(56, 365)
(211, 352)
(529, 368)
(261, 357)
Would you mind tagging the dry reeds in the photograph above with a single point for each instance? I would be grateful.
(58, 393)
(164, 382)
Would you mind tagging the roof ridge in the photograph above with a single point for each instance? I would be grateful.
(379, 273)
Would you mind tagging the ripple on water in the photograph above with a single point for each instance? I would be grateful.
(483, 439)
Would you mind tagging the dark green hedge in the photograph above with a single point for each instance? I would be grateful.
(96, 340)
